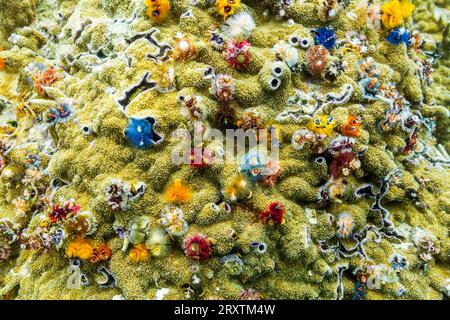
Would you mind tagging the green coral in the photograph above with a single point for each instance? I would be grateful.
(99, 62)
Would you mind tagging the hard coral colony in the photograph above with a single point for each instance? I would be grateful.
(99, 101)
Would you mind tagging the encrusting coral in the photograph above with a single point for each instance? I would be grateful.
(97, 95)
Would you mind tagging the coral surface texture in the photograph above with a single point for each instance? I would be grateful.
(224, 149)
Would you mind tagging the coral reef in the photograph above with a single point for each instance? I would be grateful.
(96, 95)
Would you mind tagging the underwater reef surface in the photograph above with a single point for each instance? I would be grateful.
(354, 206)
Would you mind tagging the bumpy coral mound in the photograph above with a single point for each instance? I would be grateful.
(94, 204)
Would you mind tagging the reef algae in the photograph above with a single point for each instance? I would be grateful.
(96, 95)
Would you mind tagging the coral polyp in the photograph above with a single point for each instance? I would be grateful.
(239, 26)
(178, 192)
(79, 248)
(197, 247)
(224, 150)
(325, 37)
(223, 87)
(173, 219)
(185, 48)
(395, 12)
(157, 10)
(2, 61)
(274, 213)
(237, 189)
(352, 128)
(233, 264)
(60, 212)
(317, 59)
(227, 8)
(141, 132)
(41, 76)
(139, 254)
(322, 125)
(238, 54)
(101, 253)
